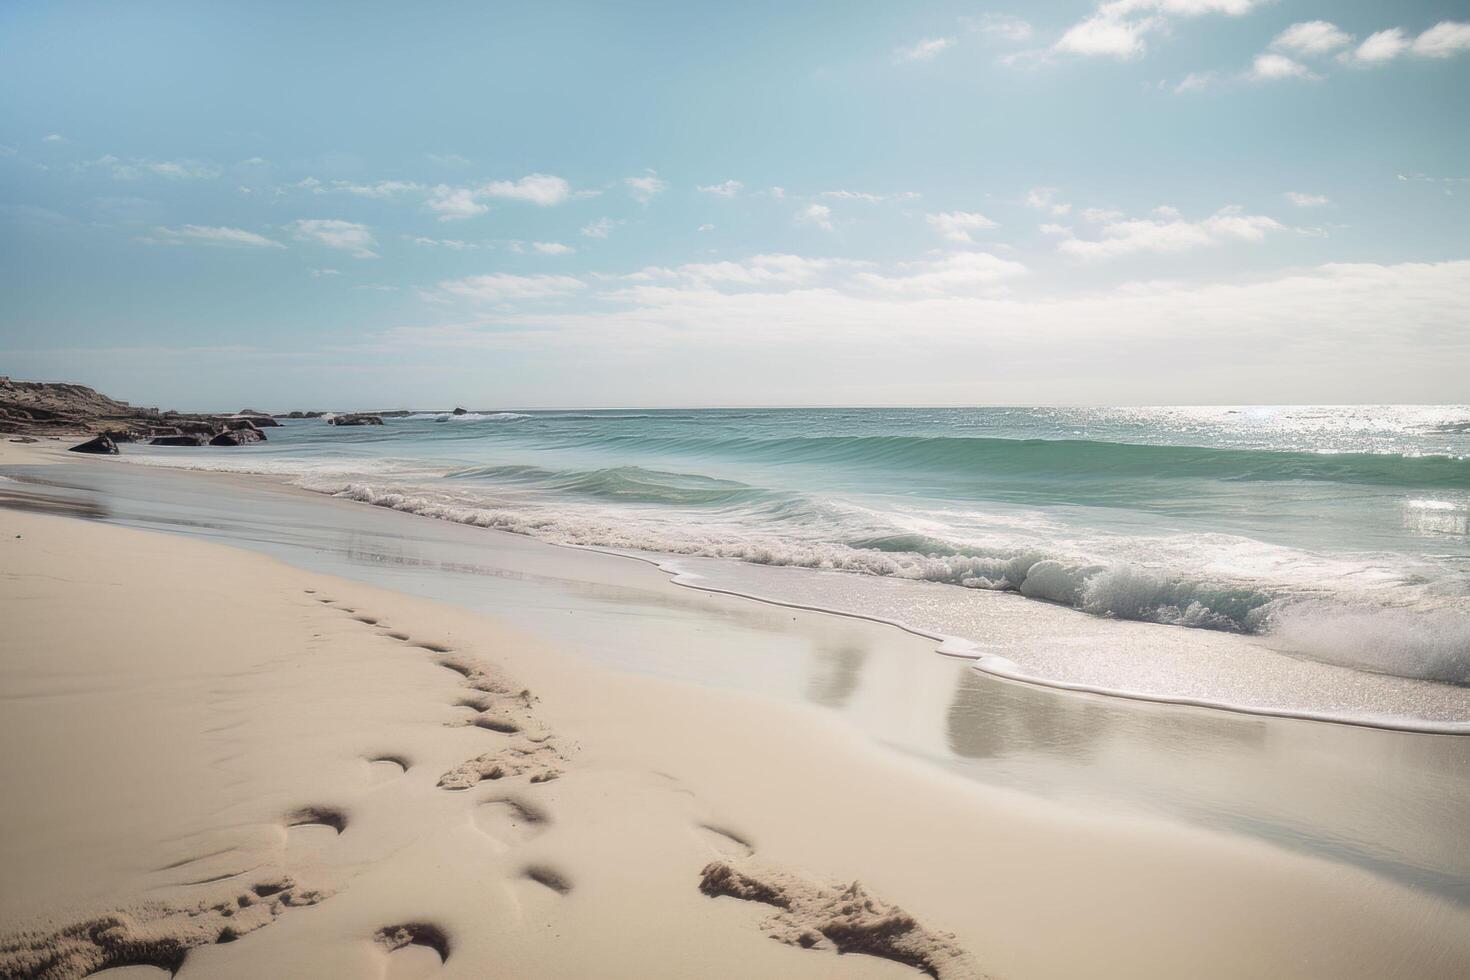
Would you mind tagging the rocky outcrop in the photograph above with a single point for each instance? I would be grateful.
(102, 446)
(238, 437)
(354, 420)
(187, 439)
(459, 411)
(48, 408)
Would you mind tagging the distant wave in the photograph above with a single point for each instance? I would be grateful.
(1072, 459)
(468, 417)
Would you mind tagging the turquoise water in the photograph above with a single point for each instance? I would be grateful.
(1339, 532)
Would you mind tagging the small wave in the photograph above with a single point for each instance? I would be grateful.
(468, 417)
(1119, 592)
(1431, 644)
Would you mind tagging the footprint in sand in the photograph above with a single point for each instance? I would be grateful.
(311, 829)
(415, 949)
(510, 821)
(547, 877)
(386, 768)
(725, 842)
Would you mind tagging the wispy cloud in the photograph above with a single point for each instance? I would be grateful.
(925, 50)
(1171, 233)
(867, 198)
(1120, 28)
(1302, 200)
(1312, 37)
(729, 188)
(601, 228)
(138, 168)
(355, 239)
(1045, 199)
(646, 187)
(955, 226)
(542, 189)
(1003, 27)
(501, 287)
(1444, 40)
(211, 235)
(1271, 67)
(552, 248)
(958, 274)
(459, 203)
(815, 214)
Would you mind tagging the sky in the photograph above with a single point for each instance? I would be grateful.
(373, 205)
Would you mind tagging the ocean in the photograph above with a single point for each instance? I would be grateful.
(1337, 535)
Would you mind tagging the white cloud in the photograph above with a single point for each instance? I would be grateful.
(552, 248)
(816, 214)
(54, 138)
(1044, 199)
(501, 287)
(211, 235)
(355, 239)
(759, 270)
(455, 203)
(1101, 215)
(137, 168)
(1381, 46)
(1443, 40)
(645, 188)
(1108, 36)
(957, 274)
(1338, 329)
(459, 203)
(925, 50)
(381, 190)
(1270, 67)
(867, 198)
(729, 188)
(1195, 81)
(1061, 231)
(955, 226)
(1302, 200)
(324, 273)
(1171, 234)
(542, 189)
(1118, 29)
(1004, 27)
(1312, 37)
(705, 228)
(600, 228)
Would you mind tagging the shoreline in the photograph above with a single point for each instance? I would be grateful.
(996, 847)
(683, 570)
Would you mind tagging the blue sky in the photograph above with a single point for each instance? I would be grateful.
(580, 204)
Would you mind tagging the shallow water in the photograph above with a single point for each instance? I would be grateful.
(1389, 802)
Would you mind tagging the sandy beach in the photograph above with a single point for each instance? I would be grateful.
(224, 766)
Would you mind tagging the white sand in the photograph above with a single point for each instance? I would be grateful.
(170, 708)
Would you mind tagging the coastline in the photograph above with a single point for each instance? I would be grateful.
(1136, 896)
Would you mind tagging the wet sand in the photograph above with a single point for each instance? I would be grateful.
(174, 702)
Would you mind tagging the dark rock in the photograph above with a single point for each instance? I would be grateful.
(102, 445)
(354, 420)
(238, 437)
(188, 439)
(459, 411)
(241, 424)
(125, 435)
